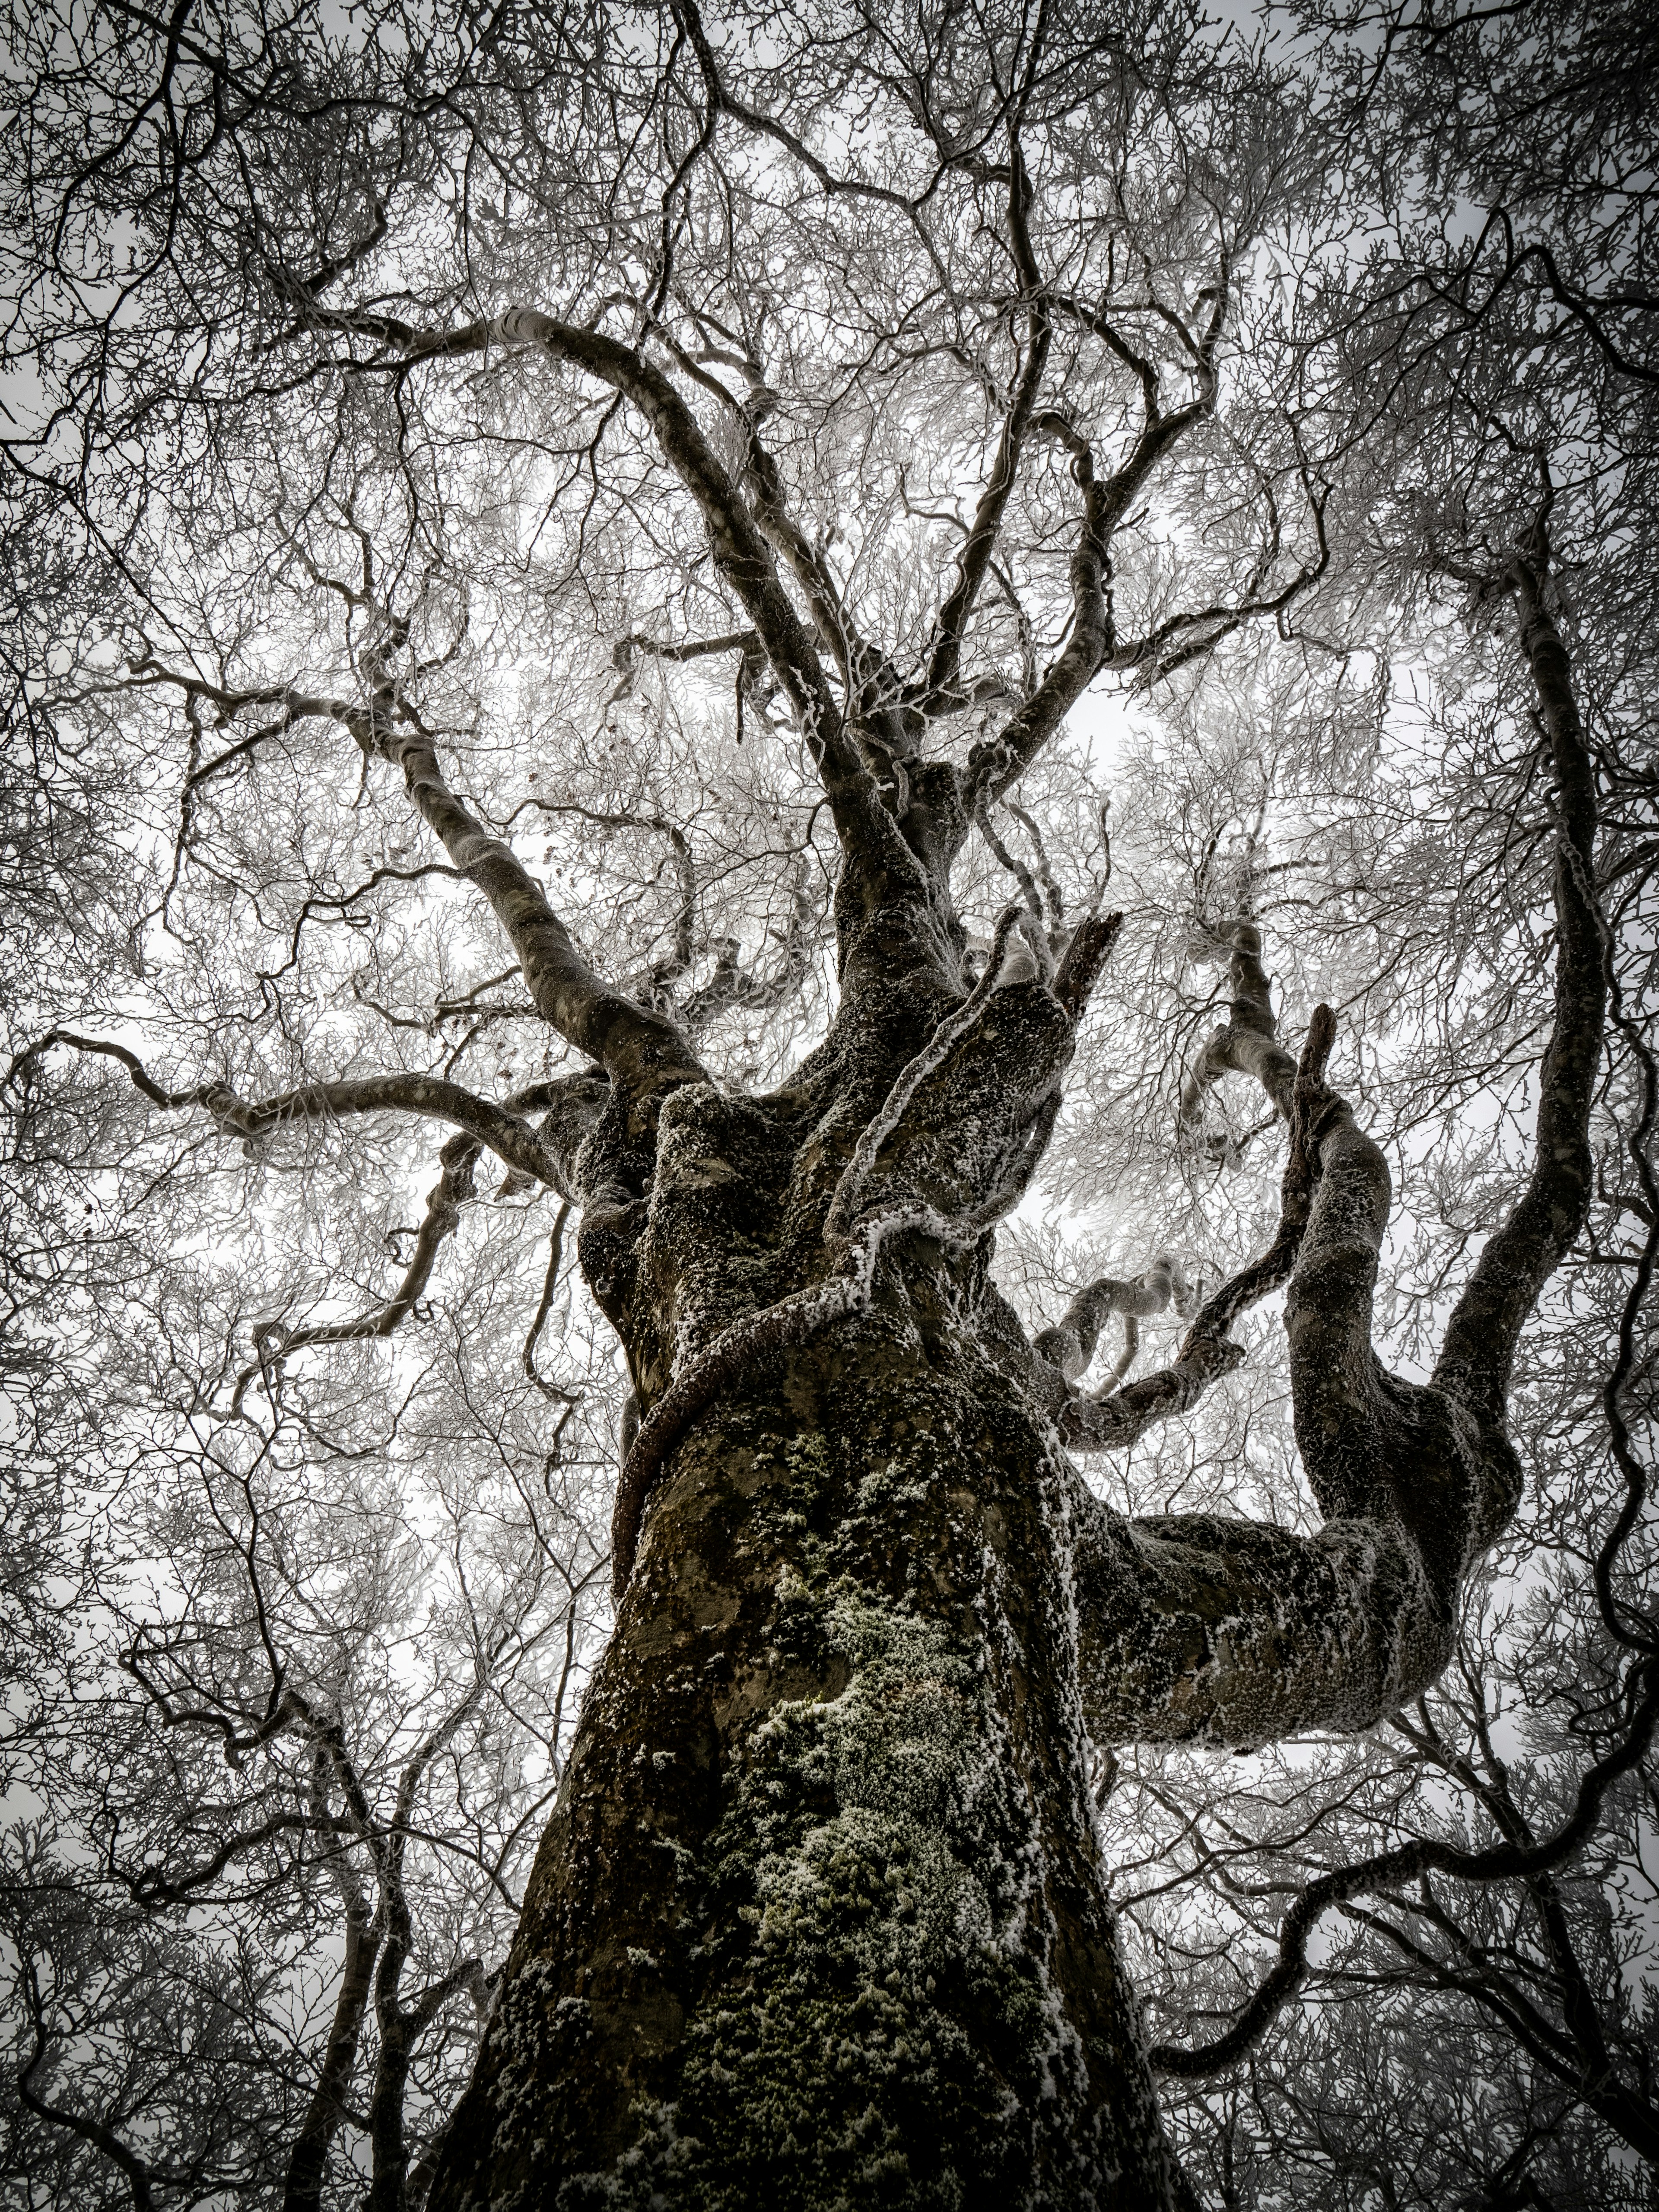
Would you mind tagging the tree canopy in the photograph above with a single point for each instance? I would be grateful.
(561, 559)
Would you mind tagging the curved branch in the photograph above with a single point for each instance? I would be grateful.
(740, 550)
(1002, 761)
(1069, 1345)
(274, 1345)
(643, 1048)
(1408, 1862)
(502, 1131)
(1243, 1633)
(950, 627)
(93, 2132)
(1480, 1338)
(549, 1285)
(1118, 1418)
(1247, 1043)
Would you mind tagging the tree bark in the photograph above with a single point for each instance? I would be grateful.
(820, 1918)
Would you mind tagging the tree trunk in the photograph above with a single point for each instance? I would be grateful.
(820, 1918)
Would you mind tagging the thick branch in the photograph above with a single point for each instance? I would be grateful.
(1247, 1043)
(740, 550)
(1000, 761)
(1243, 1633)
(642, 1049)
(1480, 1337)
(1194, 1625)
(1069, 1345)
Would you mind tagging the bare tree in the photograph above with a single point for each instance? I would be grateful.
(600, 522)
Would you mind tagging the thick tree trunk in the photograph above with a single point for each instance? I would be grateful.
(819, 1919)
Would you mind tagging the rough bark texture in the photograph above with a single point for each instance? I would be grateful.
(820, 1918)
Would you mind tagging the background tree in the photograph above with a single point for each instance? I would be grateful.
(560, 550)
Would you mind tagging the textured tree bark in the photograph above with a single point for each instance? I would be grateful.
(819, 1918)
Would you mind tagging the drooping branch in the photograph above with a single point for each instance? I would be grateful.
(274, 1344)
(1386, 1870)
(627, 649)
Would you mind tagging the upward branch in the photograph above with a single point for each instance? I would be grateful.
(868, 833)
(944, 655)
(1476, 1357)
(639, 1048)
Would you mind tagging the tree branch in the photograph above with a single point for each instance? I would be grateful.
(1479, 1347)
(503, 1132)
(1407, 1863)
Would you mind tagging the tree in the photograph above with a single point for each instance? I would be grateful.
(722, 455)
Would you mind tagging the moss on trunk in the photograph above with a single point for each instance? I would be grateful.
(818, 1921)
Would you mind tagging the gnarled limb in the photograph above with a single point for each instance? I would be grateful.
(1242, 1633)
(641, 1049)
(856, 1231)
(1069, 1345)
(741, 552)
(274, 1344)
(498, 1128)
(1479, 1347)
(1247, 1043)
